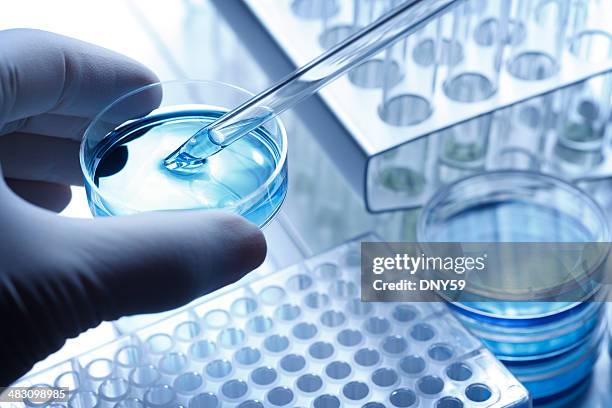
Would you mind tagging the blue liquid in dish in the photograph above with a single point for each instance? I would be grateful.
(130, 176)
(512, 221)
(515, 221)
(548, 377)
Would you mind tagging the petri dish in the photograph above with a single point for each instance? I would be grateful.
(124, 147)
(550, 377)
(529, 342)
(517, 206)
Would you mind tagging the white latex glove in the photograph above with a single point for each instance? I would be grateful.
(61, 276)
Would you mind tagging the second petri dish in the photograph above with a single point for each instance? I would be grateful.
(516, 207)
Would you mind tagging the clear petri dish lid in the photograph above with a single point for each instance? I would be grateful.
(550, 241)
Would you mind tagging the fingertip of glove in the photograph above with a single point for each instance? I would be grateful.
(248, 246)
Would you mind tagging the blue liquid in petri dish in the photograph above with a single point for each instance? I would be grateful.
(514, 221)
(130, 176)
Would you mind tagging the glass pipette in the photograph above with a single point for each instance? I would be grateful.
(399, 22)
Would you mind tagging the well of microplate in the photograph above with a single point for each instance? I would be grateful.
(123, 150)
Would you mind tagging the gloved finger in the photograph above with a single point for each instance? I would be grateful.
(158, 261)
(50, 196)
(49, 124)
(44, 72)
(40, 158)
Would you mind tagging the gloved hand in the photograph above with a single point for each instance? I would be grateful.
(60, 276)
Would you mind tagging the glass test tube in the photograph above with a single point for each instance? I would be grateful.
(475, 62)
(333, 200)
(585, 107)
(582, 119)
(539, 55)
(302, 155)
(402, 171)
(315, 9)
(463, 149)
(411, 69)
(351, 16)
(520, 132)
(372, 73)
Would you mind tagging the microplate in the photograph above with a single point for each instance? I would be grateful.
(297, 337)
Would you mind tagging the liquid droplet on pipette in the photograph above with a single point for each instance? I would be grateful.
(184, 163)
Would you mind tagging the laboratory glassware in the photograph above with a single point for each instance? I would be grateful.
(124, 146)
(537, 338)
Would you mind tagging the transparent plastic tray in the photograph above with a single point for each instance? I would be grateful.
(298, 337)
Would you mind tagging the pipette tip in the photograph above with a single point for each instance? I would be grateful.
(182, 162)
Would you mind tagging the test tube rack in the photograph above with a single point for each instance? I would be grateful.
(297, 337)
(392, 154)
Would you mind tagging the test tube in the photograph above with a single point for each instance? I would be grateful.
(463, 149)
(473, 74)
(407, 98)
(519, 134)
(373, 73)
(303, 153)
(348, 21)
(400, 173)
(315, 9)
(593, 46)
(539, 56)
(352, 16)
(585, 107)
(582, 119)
(329, 215)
